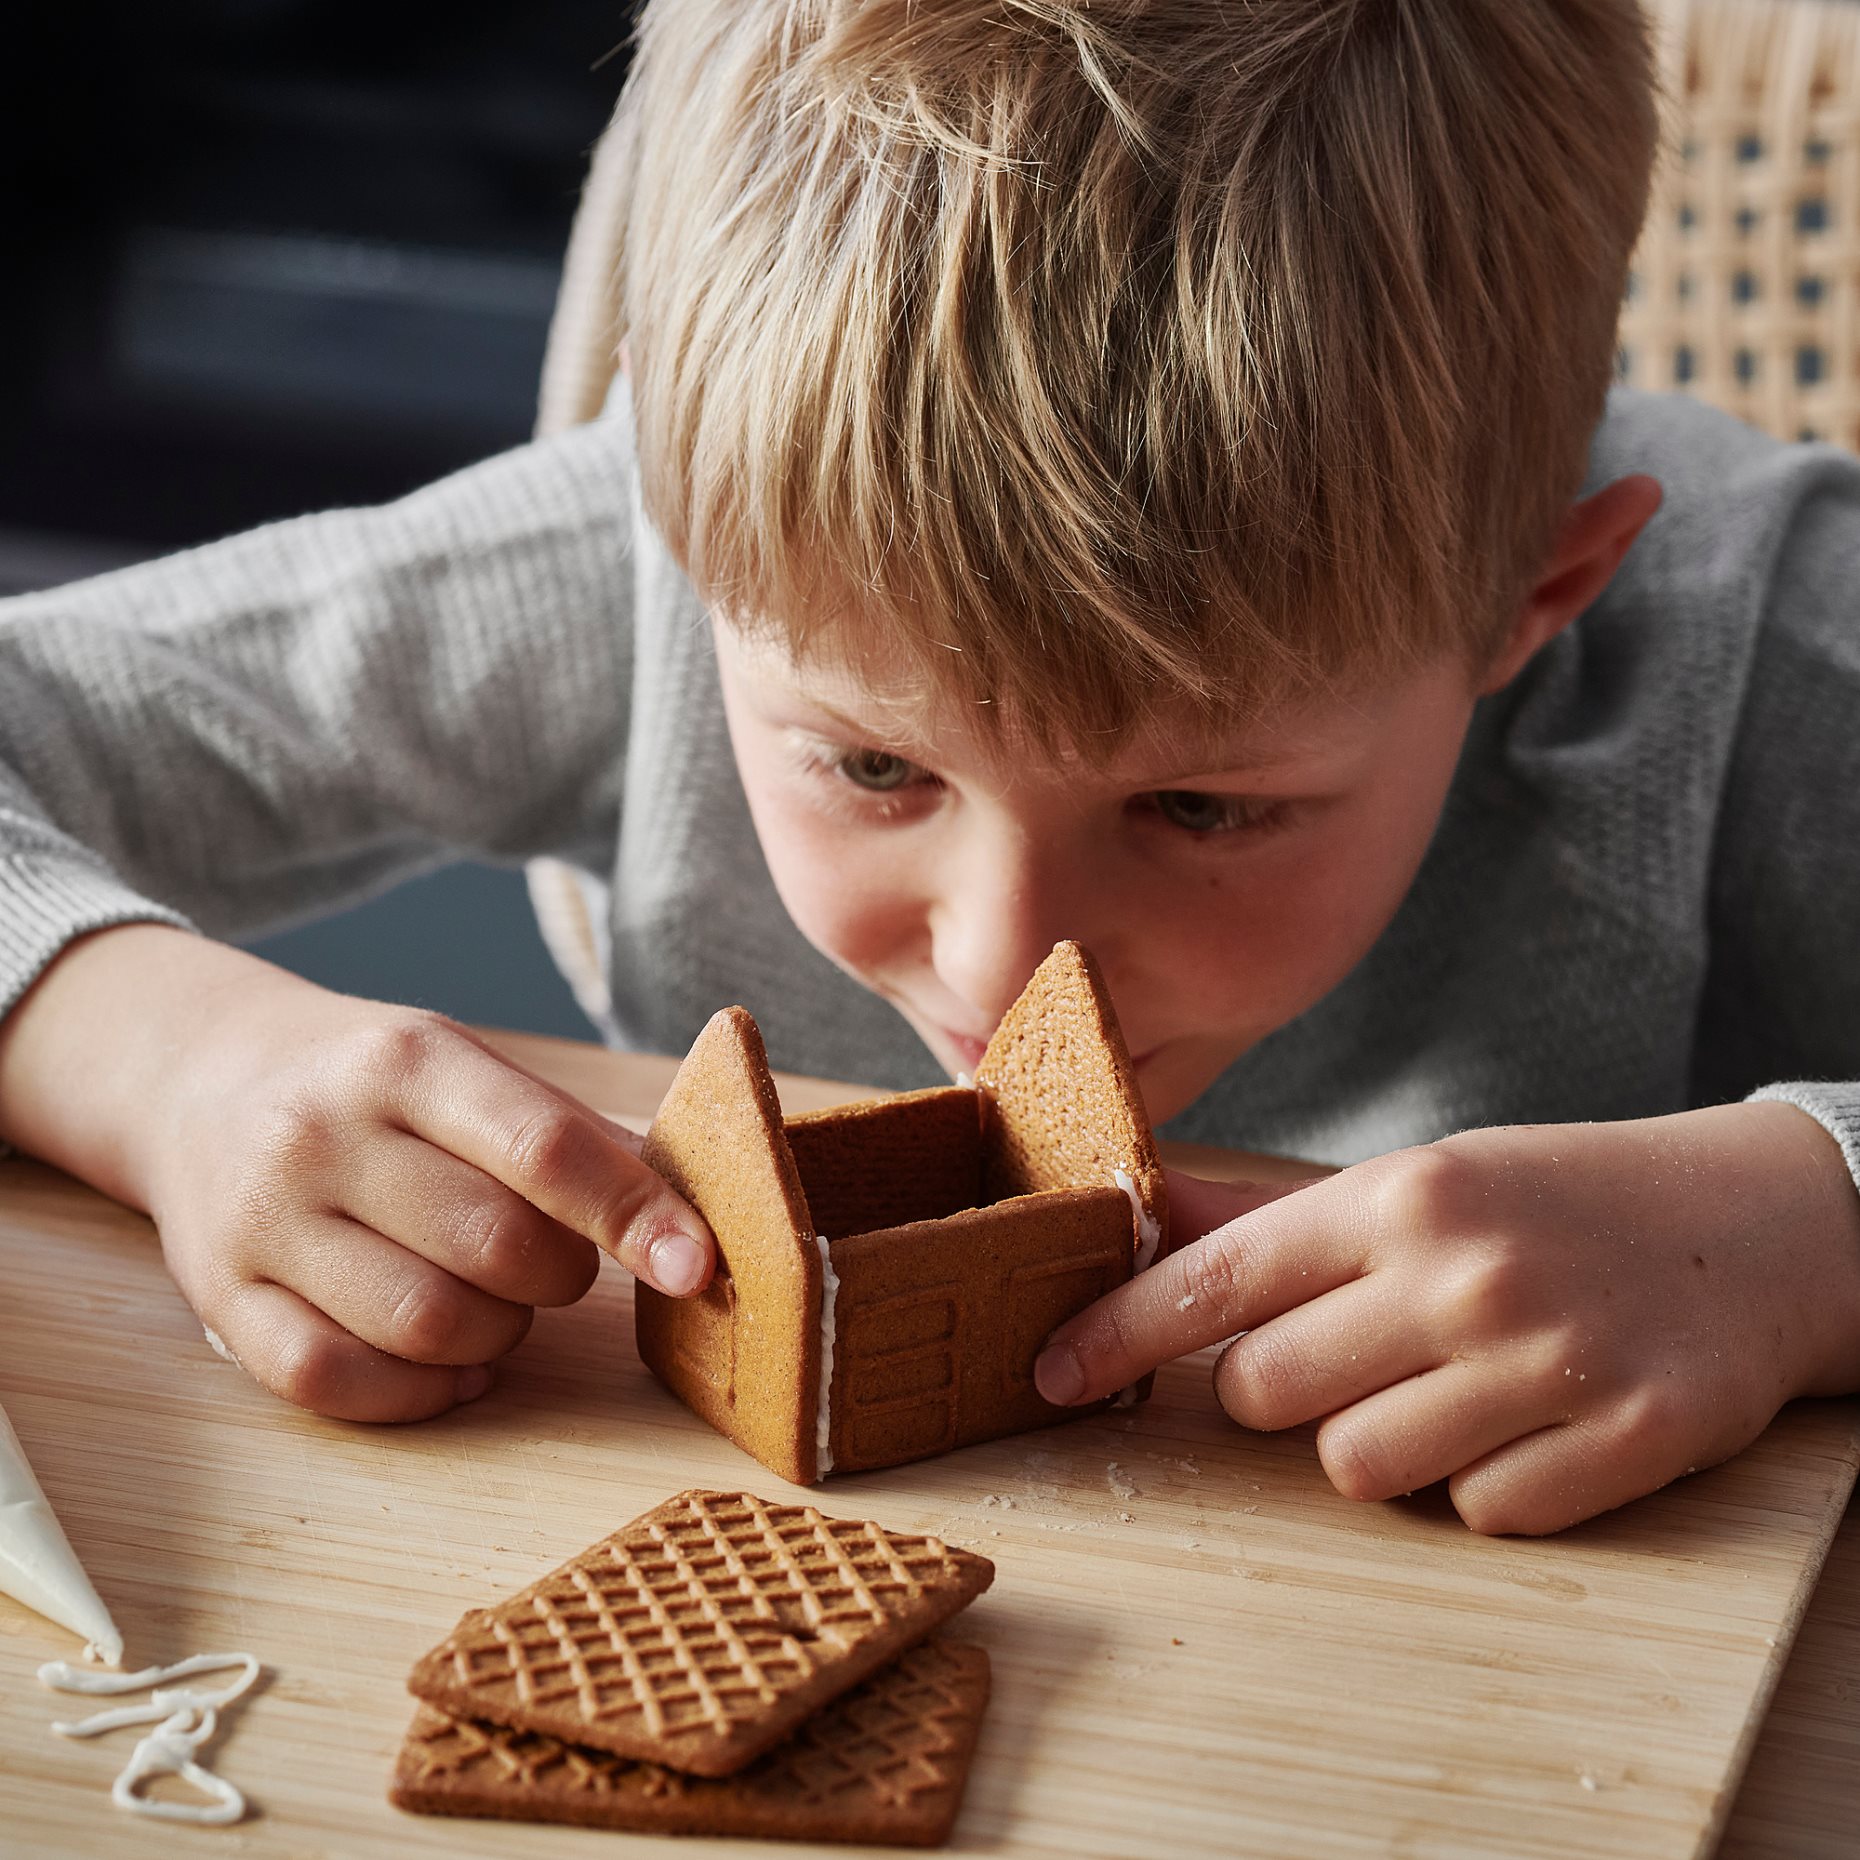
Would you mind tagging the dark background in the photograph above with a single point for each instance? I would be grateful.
(270, 256)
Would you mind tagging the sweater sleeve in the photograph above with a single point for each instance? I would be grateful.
(283, 722)
(1780, 1017)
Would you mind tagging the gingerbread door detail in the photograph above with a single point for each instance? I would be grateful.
(939, 1322)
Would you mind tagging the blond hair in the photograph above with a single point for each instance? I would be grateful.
(1081, 354)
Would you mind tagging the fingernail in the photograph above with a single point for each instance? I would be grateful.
(677, 1263)
(1059, 1376)
(470, 1383)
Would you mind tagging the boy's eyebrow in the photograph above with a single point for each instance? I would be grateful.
(1213, 770)
(901, 736)
(851, 725)
(1221, 761)
(1218, 759)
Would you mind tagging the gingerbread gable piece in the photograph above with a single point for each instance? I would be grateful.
(891, 1268)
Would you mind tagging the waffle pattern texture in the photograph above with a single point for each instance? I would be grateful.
(703, 1633)
(1640, 896)
(887, 1762)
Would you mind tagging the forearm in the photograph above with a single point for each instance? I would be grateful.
(1813, 1213)
(286, 720)
(91, 1056)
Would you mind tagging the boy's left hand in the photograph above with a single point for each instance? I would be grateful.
(1554, 1318)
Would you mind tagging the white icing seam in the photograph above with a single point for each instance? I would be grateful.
(188, 1719)
(1149, 1237)
(1149, 1228)
(823, 1414)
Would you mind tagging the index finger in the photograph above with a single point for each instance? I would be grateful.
(551, 1149)
(1293, 1244)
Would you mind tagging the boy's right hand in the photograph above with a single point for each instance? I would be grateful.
(364, 1203)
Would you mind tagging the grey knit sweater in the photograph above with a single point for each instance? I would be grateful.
(1641, 897)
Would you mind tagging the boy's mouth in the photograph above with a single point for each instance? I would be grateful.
(966, 1047)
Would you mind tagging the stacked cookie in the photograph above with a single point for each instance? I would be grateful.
(722, 1665)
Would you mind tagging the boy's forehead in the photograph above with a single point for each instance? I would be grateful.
(889, 706)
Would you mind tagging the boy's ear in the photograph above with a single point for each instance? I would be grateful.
(1594, 536)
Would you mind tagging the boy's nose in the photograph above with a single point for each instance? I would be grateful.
(991, 930)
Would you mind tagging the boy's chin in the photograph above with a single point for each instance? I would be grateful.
(1171, 1079)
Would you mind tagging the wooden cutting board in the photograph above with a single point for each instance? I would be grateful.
(1199, 1648)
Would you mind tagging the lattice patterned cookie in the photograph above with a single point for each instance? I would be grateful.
(885, 1763)
(701, 1634)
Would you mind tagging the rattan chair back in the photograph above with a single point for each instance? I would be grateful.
(1746, 285)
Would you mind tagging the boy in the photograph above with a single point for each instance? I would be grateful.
(1113, 471)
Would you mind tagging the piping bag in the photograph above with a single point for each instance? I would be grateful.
(38, 1565)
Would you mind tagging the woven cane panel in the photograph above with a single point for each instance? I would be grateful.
(1746, 287)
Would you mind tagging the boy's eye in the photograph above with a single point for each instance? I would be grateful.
(876, 770)
(1195, 812)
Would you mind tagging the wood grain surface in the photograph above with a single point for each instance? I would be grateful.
(1199, 1648)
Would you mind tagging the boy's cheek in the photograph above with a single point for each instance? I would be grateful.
(849, 903)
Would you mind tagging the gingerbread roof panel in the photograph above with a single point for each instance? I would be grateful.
(718, 1140)
(1063, 1107)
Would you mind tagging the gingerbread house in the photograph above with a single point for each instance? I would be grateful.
(890, 1269)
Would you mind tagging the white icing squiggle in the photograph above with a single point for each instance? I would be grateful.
(1149, 1228)
(823, 1414)
(189, 1718)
